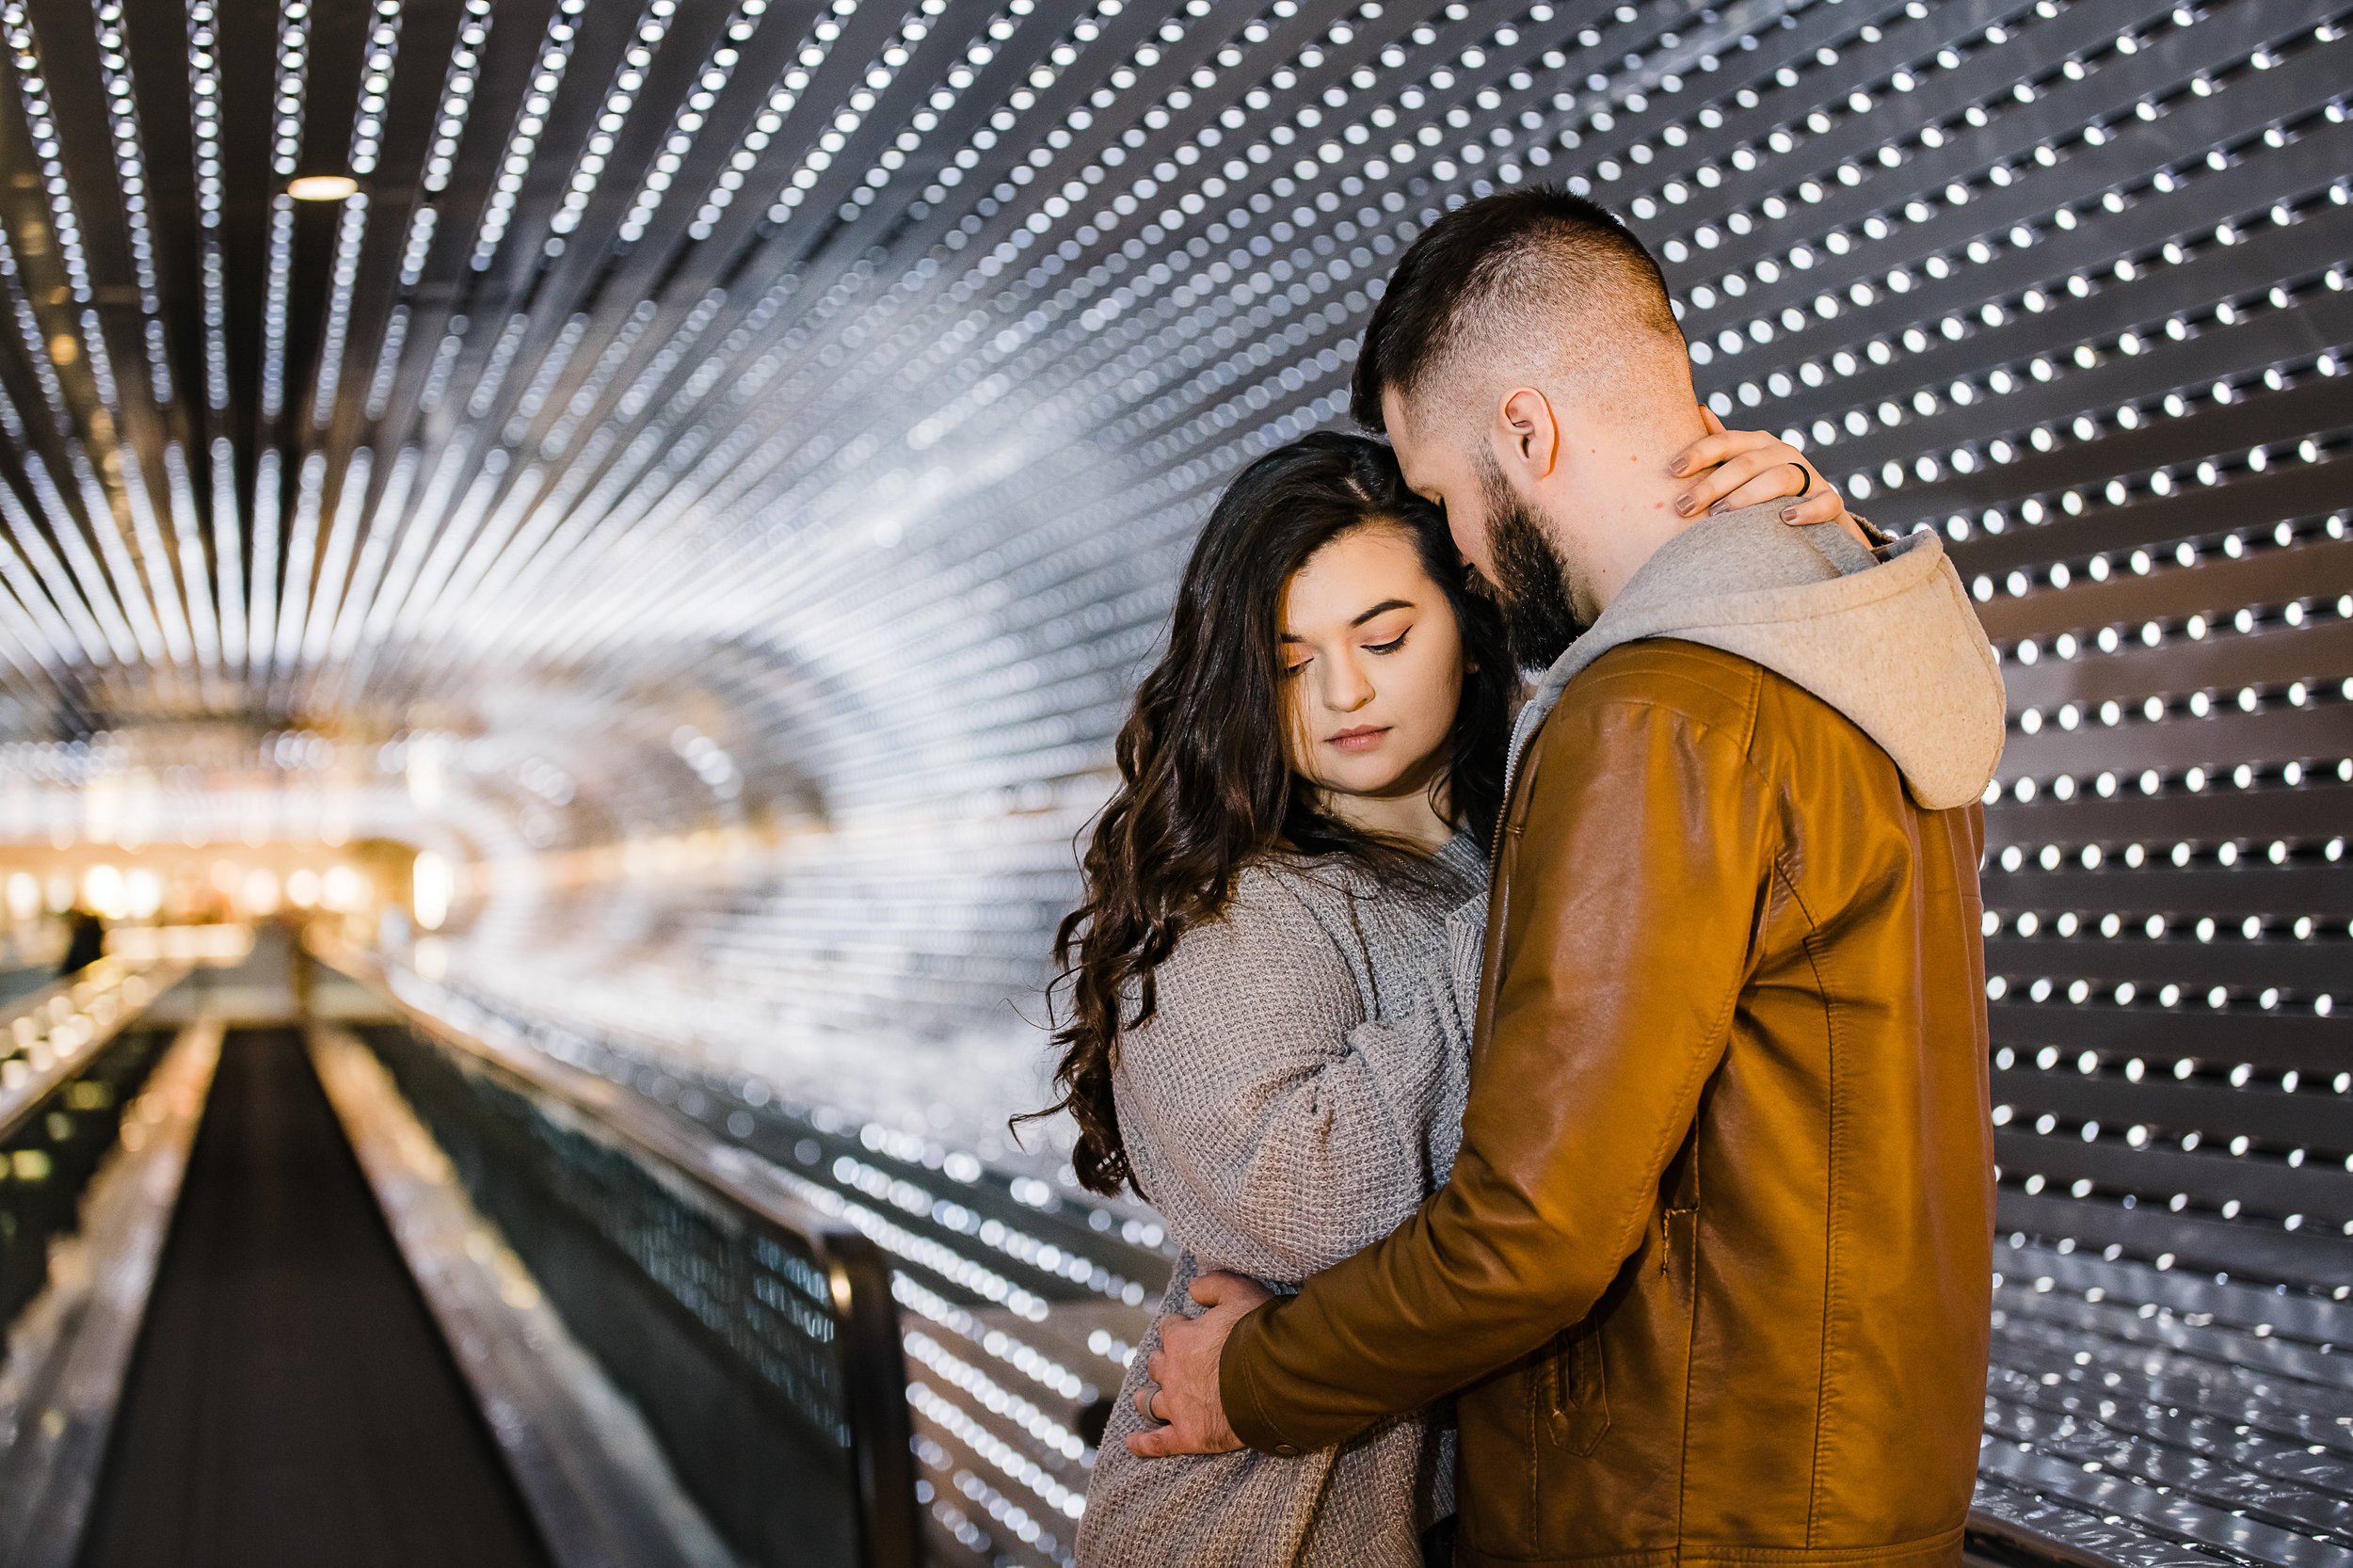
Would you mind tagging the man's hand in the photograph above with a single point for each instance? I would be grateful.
(1731, 468)
(1183, 1392)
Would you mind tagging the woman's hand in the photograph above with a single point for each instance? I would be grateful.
(1727, 469)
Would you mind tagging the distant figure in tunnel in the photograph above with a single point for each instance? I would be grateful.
(1705, 1275)
(84, 941)
(1258, 1035)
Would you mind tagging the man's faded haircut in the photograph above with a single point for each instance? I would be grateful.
(1508, 269)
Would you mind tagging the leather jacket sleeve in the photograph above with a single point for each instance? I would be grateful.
(1639, 861)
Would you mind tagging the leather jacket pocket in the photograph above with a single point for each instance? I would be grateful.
(1575, 1384)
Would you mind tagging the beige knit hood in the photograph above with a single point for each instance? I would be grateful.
(1886, 636)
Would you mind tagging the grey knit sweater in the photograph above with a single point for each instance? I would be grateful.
(1297, 1094)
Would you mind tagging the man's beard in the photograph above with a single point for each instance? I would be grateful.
(1532, 580)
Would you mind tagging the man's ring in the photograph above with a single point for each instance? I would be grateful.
(1805, 478)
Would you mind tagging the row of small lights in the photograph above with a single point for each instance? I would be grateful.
(342, 537)
(262, 596)
(451, 114)
(782, 99)
(114, 67)
(879, 74)
(531, 116)
(629, 78)
(944, 97)
(205, 110)
(286, 109)
(686, 126)
(2143, 562)
(187, 528)
(33, 90)
(367, 134)
(143, 611)
(36, 348)
(301, 544)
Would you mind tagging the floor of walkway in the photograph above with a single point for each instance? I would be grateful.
(290, 1400)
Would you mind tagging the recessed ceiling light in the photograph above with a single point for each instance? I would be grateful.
(323, 187)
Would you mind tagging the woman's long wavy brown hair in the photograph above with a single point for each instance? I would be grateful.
(1205, 787)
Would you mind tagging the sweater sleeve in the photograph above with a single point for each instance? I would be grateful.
(1280, 1120)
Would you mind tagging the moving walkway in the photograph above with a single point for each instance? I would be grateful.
(281, 1320)
(290, 1399)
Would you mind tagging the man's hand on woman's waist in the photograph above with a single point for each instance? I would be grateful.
(1182, 1393)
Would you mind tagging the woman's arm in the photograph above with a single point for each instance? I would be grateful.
(1291, 1122)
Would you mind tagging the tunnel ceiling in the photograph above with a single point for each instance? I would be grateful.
(746, 449)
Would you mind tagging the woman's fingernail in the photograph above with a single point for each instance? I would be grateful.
(1716, 510)
(1679, 466)
(1789, 514)
(1682, 504)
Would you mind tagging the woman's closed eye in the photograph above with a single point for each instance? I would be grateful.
(1390, 647)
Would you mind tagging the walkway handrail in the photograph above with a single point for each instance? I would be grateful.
(103, 998)
(867, 1349)
(2000, 1542)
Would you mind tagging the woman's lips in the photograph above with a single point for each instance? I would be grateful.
(1363, 737)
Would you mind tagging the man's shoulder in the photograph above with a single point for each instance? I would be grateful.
(1768, 718)
(1665, 678)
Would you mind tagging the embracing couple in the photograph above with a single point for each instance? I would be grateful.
(1574, 1123)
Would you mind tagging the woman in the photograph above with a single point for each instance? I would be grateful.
(1284, 901)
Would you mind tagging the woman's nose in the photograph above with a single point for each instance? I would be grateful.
(1345, 686)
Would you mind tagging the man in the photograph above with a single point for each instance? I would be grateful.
(1711, 1276)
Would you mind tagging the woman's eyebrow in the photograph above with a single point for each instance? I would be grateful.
(1382, 609)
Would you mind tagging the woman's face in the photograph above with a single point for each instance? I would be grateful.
(1373, 663)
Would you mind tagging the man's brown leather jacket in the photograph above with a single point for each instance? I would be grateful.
(1712, 1271)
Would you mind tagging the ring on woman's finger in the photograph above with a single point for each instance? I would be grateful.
(1805, 478)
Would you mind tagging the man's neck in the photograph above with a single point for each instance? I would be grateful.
(1626, 502)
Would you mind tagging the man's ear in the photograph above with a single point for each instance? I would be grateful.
(1531, 431)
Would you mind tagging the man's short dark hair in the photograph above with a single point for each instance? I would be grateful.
(1505, 255)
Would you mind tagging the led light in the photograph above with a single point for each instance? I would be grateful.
(323, 187)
